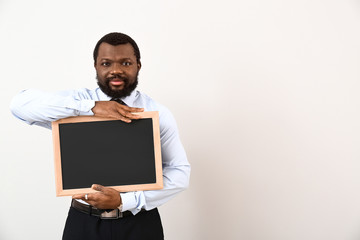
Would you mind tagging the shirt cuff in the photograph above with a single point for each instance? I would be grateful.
(133, 201)
(128, 200)
(85, 107)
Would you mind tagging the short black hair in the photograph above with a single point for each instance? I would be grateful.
(116, 38)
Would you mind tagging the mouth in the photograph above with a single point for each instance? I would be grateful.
(116, 82)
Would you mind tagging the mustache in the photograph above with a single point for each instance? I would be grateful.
(108, 79)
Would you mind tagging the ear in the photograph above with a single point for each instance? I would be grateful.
(139, 65)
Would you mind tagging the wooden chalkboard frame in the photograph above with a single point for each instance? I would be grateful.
(60, 191)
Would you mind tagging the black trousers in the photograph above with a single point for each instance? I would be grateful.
(144, 225)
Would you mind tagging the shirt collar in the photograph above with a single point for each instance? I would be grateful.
(129, 100)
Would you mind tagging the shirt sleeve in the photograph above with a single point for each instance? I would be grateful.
(41, 108)
(176, 170)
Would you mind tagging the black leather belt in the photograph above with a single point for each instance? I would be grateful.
(88, 209)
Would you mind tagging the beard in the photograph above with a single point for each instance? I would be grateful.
(126, 91)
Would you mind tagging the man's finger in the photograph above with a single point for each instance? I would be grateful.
(129, 115)
(78, 196)
(98, 187)
(130, 109)
(84, 197)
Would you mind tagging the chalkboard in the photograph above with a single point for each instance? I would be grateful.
(110, 152)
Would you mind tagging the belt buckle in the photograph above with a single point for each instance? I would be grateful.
(114, 214)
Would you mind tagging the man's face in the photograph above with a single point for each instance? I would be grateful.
(117, 69)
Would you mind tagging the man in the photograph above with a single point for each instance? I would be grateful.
(117, 64)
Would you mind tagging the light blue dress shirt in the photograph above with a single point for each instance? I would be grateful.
(40, 108)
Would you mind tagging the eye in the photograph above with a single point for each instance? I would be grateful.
(105, 64)
(126, 63)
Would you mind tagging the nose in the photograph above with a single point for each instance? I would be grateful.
(116, 69)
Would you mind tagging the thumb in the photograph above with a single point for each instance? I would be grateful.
(98, 187)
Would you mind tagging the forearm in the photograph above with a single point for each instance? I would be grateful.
(40, 108)
(176, 175)
(175, 181)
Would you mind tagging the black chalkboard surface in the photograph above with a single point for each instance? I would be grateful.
(125, 156)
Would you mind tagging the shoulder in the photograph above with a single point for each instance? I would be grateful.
(166, 118)
(149, 104)
(81, 93)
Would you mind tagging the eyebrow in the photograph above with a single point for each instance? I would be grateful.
(108, 59)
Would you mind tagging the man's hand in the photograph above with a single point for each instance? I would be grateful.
(106, 198)
(116, 110)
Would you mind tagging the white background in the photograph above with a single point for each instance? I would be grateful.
(265, 93)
